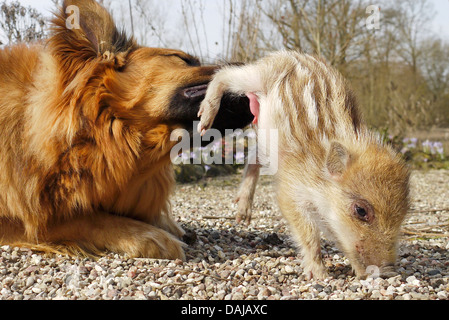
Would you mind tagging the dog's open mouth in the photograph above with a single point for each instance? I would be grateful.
(234, 111)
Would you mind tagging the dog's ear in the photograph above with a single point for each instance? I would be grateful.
(85, 29)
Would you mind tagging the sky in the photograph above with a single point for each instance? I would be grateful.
(213, 20)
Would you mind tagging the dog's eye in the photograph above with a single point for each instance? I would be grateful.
(189, 60)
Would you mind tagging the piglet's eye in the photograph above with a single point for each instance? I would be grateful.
(363, 212)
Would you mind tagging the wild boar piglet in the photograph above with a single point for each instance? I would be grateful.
(335, 176)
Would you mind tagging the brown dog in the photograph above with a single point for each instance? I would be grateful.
(85, 124)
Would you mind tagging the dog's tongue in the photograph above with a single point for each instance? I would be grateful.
(254, 106)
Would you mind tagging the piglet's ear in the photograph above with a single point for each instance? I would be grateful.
(338, 159)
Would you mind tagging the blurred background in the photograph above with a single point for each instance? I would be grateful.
(399, 70)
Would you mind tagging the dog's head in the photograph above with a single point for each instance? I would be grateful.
(134, 85)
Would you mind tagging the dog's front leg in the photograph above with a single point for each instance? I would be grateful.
(102, 232)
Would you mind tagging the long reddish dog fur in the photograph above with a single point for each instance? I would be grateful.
(85, 122)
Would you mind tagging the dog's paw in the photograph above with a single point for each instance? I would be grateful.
(153, 243)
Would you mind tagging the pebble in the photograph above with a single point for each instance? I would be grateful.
(413, 281)
(36, 290)
(289, 270)
(375, 294)
(433, 272)
(30, 281)
(442, 295)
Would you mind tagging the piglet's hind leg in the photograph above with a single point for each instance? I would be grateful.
(245, 197)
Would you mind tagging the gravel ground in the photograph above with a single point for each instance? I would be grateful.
(226, 261)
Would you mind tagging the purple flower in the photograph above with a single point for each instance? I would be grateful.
(411, 142)
(434, 148)
(427, 145)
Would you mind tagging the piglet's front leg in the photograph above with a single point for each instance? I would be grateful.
(308, 237)
(306, 234)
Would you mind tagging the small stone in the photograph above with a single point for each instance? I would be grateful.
(237, 296)
(179, 262)
(318, 287)
(225, 274)
(436, 282)
(390, 291)
(284, 298)
(30, 281)
(412, 281)
(221, 295)
(273, 239)
(375, 294)
(215, 235)
(289, 270)
(36, 290)
(157, 286)
(98, 268)
(407, 296)
(417, 296)
(221, 255)
(354, 288)
(264, 293)
(132, 272)
(394, 281)
(442, 295)
(170, 273)
(433, 272)
(14, 256)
